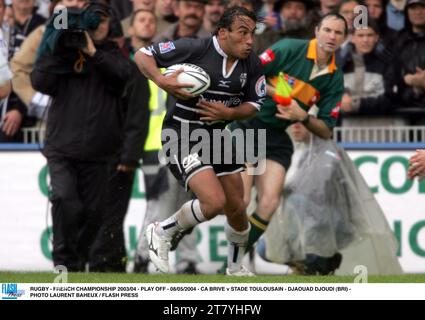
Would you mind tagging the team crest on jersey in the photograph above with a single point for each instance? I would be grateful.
(260, 87)
(243, 78)
(165, 47)
(267, 56)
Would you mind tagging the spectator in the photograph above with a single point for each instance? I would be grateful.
(409, 75)
(247, 4)
(165, 16)
(137, 5)
(346, 8)
(213, 11)
(25, 21)
(83, 133)
(5, 74)
(328, 207)
(328, 6)
(110, 250)
(293, 22)
(376, 10)
(122, 8)
(13, 109)
(43, 8)
(367, 71)
(191, 15)
(8, 13)
(23, 61)
(395, 14)
(312, 263)
(267, 16)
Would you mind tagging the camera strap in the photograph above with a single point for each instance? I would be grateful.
(79, 64)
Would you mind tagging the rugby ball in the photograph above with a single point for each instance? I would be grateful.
(192, 74)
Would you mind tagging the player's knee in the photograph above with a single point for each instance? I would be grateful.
(236, 209)
(269, 203)
(213, 205)
(246, 201)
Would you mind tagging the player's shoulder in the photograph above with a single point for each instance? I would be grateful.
(338, 76)
(205, 41)
(291, 44)
(188, 43)
(201, 45)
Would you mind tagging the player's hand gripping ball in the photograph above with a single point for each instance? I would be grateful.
(192, 74)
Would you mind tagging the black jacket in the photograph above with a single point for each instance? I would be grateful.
(377, 95)
(137, 115)
(86, 117)
(409, 53)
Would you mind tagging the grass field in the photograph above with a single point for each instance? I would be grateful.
(16, 277)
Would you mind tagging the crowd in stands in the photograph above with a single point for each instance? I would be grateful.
(383, 62)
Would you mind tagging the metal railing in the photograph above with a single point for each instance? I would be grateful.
(34, 135)
(403, 134)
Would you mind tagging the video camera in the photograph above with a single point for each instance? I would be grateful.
(78, 22)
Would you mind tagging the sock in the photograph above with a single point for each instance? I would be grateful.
(237, 243)
(258, 226)
(188, 216)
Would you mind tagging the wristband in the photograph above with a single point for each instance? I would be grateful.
(306, 121)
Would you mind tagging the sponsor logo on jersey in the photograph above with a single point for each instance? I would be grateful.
(267, 56)
(224, 83)
(151, 49)
(190, 162)
(165, 47)
(335, 111)
(260, 87)
(232, 101)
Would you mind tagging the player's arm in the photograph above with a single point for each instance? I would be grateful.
(212, 111)
(148, 66)
(165, 54)
(254, 93)
(329, 105)
(317, 126)
(245, 110)
(294, 112)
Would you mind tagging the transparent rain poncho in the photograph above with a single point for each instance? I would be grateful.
(327, 207)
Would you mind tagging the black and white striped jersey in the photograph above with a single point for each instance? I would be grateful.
(244, 82)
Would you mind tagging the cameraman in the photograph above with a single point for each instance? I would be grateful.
(83, 133)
